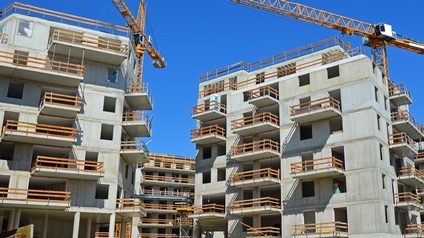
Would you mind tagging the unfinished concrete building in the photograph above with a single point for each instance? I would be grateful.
(312, 142)
(71, 112)
(167, 184)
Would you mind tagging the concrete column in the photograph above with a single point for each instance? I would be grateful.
(112, 225)
(88, 233)
(1, 221)
(17, 218)
(75, 231)
(11, 220)
(45, 225)
(123, 229)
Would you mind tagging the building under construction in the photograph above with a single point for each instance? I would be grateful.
(312, 142)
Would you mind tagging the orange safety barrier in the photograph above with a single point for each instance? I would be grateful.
(399, 90)
(209, 208)
(256, 202)
(255, 174)
(401, 138)
(261, 118)
(257, 146)
(263, 91)
(169, 179)
(39, 129)
(62, 100)
(209, 106)
(208, 131)
(315, 105)
(67, 164)
(316, 165)
(320, 228)
(34, 195)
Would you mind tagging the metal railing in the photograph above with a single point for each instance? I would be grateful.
(211, 208)
(50, 98)
(320, 228)
(137, 116)
(167, 179)
(39, 129)
(262, 118)
(63, 164)
(154, 206)
(257, 146)
(136, 145)
(129, 205)
(241, 205)
(401, 138)
(406, 197)
(315, 105)
(255, 174)
(415, 229)
(262, 92)
(267, 231)
(411, 171)
(404, 115)
(419, 157)
(318, 165)
(216, 88)
(171, 222)
(166, 193)
(34, 195)
(209, 107)
(399, 90)
(213, 130)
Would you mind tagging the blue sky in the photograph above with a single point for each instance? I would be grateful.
(197, 36)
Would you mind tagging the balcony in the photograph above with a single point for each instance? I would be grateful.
(157, 235)
(154, 222)
(160, 208)
(413, 231)
(33, 133)
(258, 123)
(411, 177)
(208, 135)
(94, 48)
(138, 96)
(67, 168)
(137, 124)
(134, 152)
(209, 111)
(401, 144)
(321, 109)
(255, 178)
(32, 198)
(208, 211)
(263, 96)
(167, 163)
(18, 65)
(166, 180)
(317, 168)
(403, 121)
(400, 95)
(165, 195)
(325, 229)
(407, 201)
(60, 105)
(263, 232)
(255, 150)
(419, 158)
(264, 205)
(130, 207)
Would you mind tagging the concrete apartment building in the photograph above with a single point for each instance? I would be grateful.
(167, 184)
(312, 142)
(71, 111)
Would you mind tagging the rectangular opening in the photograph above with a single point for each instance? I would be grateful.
(383, 179)
(376, 93)
(304, 80)
(307, 158)
(15, 90)
(386, 213)
(286, 70)
(106, 132)
(8, 115)
(112, 75)
(336, 94)
(222, 150)
(336, 125)
(233, 83)
(381, 151)
(4, 181)
(260, 78)
(221, 174)
(207, 152)
(305, 132)
(109, 104)
(339, 185)
(20, 57)
(126, 169)
(206, 176)
(333, 72)
(378, 122)
(308, 189)
(91, 156)
(102, 191)
(6, 151)
(338, 153)
(25, 28)
(309, 218)
(340, 215)
(385, 103)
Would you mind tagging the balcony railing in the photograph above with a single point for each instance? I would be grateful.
(407, 199)
(405, 116)
(413, 230)
(338, 229)
(402, 144)
(419, 157)
(211, 208)
(209, 107)
(63, 164)
(399, 90)
(257, 119)
(166, 193)
(314, 106)
(136, 145)
(170, 222)
(254, 147)
(135, 117)
(216, 89)
(61, 100)
(157, 235)
(316, 165)
(31, 196)
(166, 179)
(157, 206)
(251, 176)
(208, 134)
(170, 164)
(267, 231)
(265, 91)
(28, 129)
(129, 204)
(256, 203)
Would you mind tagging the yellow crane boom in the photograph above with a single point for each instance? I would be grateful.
(378, 35)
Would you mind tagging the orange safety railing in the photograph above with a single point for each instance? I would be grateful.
(411, 171)
(129, 204)
(167, 193)
(40, 129)
(103, 234)
(419, 156)
(4, 38)
(170, 162)
(136, 116)
(416, 229)
(261, 118)
(267, 231)
(315, 105)
(94, 42)
(54, 66)
(34, 195)
(173, 222)
(255, 203)
(157, 235)
(61, 100)
(138, 88)
(209, 107)
(63, 164)
(407, 197)
(136, 145)
(262, 92)
(154, 206)
(209, 208)
(316, 165)
(255, 174)
(406, 116)
(401, 138)
(320, 228)
(207, 131)
(398, 90)
(167, 179)
(257, 146)
(216, 88)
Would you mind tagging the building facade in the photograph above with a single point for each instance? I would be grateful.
(312, 142)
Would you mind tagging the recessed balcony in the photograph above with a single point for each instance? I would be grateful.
(263, 96)
(404, 121)
(407, 201)
(255, 150)
(258, 123)
(130, 207)
(208, 211)
(325, 229)
(134, 152)
(256, 178)
(264, 205)
(20, 65)
(165, 195)
(169, 163)
(155, 222)
(263, 232)
(166, 180)
(419, 158)
(32, 198)
(413, 231)
(138, 96)
(67, 168)
(137, 124)
(316, 110)
(402, 144)
(94, 48)
(160, 208)
(400, 95)
(209, 111)
(208, 135)
(411, 177)
(33, 133)
(317, 168)
(60, 105)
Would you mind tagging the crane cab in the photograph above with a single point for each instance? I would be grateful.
(384, 31)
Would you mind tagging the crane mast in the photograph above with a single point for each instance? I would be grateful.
(378, 36)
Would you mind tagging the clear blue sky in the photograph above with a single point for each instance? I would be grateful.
(197, 36)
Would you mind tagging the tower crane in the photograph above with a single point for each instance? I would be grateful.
(141, 42)
(377, 36)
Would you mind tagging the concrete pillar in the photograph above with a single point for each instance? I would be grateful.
(75, 231)
(123, 229)
(88, 233)
(45, 225)
(112, 225)
(17, 218)
(11, 220)
(1, 221)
